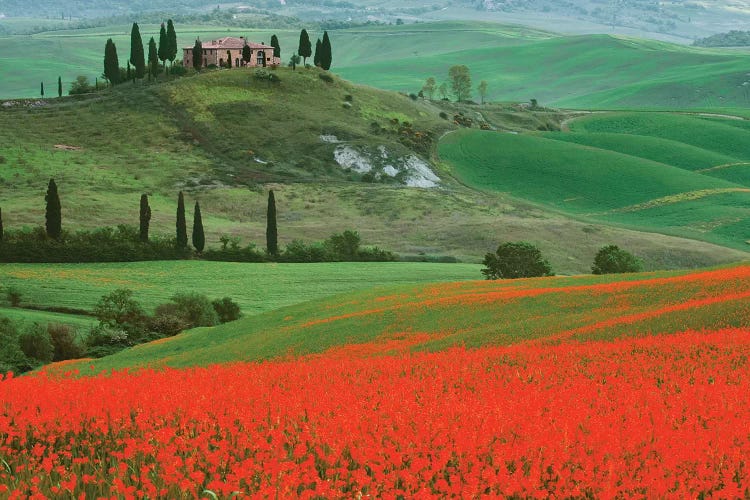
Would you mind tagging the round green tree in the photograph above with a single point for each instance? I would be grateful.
(515, 260)
(612, 259)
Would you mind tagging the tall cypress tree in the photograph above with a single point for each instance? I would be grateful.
(42, 90)
(111, 64)
(182, 240)
(145, 218)
(197, 55)
(59, 86)
(305, 48)
(153, 57)
(171, 41)
(137, 59)
(326, 57)
(53, 211)
(318, 52)
(229, 58)
(199, 239)
(272, 240)
(247, 53)
(163, 43)
(276, 46)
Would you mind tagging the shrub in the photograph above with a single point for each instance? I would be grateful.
(515, 260)
(119, 309)
(104, 340)
(167, 320)
(325, 77)
(226, 309)
(611, 259)
(36, 343)
(64, 341)
(195, 309)
(81, 85)
(443, 115)
(12, 358)
(178, 70)
(413, 96)
(349, 98)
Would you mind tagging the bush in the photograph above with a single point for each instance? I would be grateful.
(515, 260)
(36, 343)
(167, 320)
(81, 85)
(12, 358)
(611, 259)
(178, 70)
(195, 309)
(119, 309)
(443, 115)
(104, 340)
(325, 77)
(64, 341)
(226, 309)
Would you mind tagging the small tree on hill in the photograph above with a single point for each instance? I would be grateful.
(318, 52)
(276, 46)
(111, 64)
(197, 55)
(182, 240)
(153, 58)
(443, 90)
(429, 87)
(294, 61)
(119, 309)
(42, 89)
(515, 260)
(327, 56)
(460, 82)
(247, 54)
(53, 212)
(137, 58)
(163, 51)
(612, 259)
(171, 42)
(305, 47)
(59, 86)
(272, 240)
(199, 238)
(145, 218)
(482, 89)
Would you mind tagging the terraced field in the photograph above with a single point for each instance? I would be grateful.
(672, 173)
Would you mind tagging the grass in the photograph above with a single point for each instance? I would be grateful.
(473, 314)
(27, 316)
(256, 288)
(648, 171)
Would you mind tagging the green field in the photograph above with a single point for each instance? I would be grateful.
(473, 314)
(676, 174)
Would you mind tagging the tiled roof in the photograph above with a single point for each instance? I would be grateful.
(231, 42)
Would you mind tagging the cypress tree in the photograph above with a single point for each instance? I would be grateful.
(272, 241)
(199, 239)
(145, 218)
(163, 45)
(59, 86)
(53, 212)
(326, 57)
(276, 46)
(182, 240)
(171, 41)
(305, 48)
(318, 52)
(129, 73)
(137, 59)
(229, 58)
(1, 224)
(42, 89)
(153, 57)
(111, 64)
(247, 53)
(197, 55)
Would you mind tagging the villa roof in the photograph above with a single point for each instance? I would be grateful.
(231, 42)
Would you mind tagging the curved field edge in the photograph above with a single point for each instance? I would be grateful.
(471, 314)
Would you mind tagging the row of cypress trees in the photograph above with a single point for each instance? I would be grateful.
(323, 54)
(166, 51)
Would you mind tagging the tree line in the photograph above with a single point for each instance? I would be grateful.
(126, 243)
(165, 51)
(458, 85)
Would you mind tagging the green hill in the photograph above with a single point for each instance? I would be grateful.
(473, 314)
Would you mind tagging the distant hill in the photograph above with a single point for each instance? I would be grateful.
(734, 38)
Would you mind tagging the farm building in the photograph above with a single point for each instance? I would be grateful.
(218, 52)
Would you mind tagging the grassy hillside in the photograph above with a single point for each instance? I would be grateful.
(677, 174)
(479, 313)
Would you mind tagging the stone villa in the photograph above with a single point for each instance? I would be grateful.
(218, 51)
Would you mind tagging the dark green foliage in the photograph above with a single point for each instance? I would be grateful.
(247, 53)
(64, 341)
(59, 86)
(111, 63)
(145, 218)
(182, 239)
(199, 238)
(226, 309)
(733, 38)
(167, 320)
(104, 340)
(235, 253)
(515, 260)
(345, 245)
(318, 52)
(42, 89)
(171, 41)
(195, 309)
(326, 57)
(118, 309)
(1, 225)
(611, 259)
(197, 55)
(294, 61)
(326, 77)
(276, 46)
(53, 212)
(14, 296)
(153, 57)
(81, 85)
(163, 49)
(229, 59)
(36, 343)
(272, 238)
(305, 47)
(129, 73)
(137, 57)
(12, 357)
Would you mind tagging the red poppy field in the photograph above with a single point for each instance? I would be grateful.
(644, 412)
